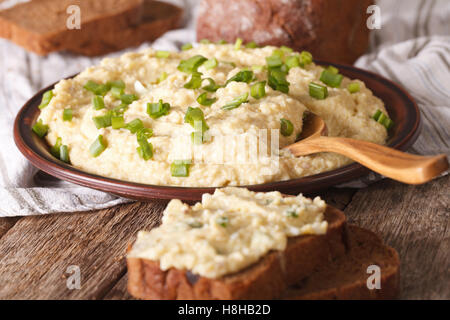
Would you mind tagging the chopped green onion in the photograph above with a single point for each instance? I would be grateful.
(383, 119)
(274, 61)
(241, 76)
(195, 224)
(40, 128)
(144, 133)
(258, 90)
(258, 68)
(157, 110)
(117, 122)
(286, 127)
(95, 88)
(277, 80)
(197, 137)
(205, 41)
(120, 110)
(222, 221)
(64, 154)
(388, 123)
(331, 79)
(98, 146)
(318, 91)
(377, 115)
(292, 213)
(353, 87)
(212, 86)
(333, 69)
(135, 125)
(103, 121)
(286, 49)
(117, 92)
(278, 53)
(162, 54)
(293, 61)
(162, 77)
(186, 46)
(222, 42)
(98, 102)
(237, 44)
(210, 64)
(236, 102)
(46, 97)
(204, 100)
(179, 169)
(128, 98)
(56, 147)
(195, 82)
(306, 58)
(145, 149)
(116, 84)
(192, 64)
(196, 118)
(251, 45)
(67, 114)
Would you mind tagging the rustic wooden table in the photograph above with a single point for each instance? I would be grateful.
(35, 252)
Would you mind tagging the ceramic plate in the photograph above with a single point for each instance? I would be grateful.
(401, 107)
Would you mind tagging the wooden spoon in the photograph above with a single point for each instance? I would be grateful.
(397, 165)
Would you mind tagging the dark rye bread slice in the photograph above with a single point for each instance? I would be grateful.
(157, 18)
(332, 30)
(266, 279)
(346, 277)
(40, 25)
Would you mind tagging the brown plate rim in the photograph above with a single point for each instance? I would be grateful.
(26, 143)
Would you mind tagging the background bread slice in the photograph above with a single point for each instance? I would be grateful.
(333, 30)
(40, 26)
(266, 279)
(157, 18)
(346, 277)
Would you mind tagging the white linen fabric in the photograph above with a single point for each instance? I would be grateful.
(412, 48)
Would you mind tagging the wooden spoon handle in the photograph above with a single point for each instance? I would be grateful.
(397, 165)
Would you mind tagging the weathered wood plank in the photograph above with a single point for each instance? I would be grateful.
(338, 198)
(6, 224)
(119, 291)
(35, 253)
(415, 220)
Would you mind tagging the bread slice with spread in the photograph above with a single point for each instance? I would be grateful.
(235, 244)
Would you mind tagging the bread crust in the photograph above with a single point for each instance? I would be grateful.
(266, 279)
(21, 23)
(158, 18)
(333, 30)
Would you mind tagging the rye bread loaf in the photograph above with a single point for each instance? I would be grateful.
(332, 30)
(157, 18)
(346, 277)
(40, 26)
(266, 279)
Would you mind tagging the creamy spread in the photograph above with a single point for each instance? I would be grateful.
(228, 231)
(152, 77)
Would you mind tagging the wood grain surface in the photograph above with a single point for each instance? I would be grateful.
(36, 251)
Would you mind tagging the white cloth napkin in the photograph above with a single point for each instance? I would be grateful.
(412, 48)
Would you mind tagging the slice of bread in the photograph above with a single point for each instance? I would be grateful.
(266, 279)
(41, 26)
(157, 18)
(332, 30)
(346, 277)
